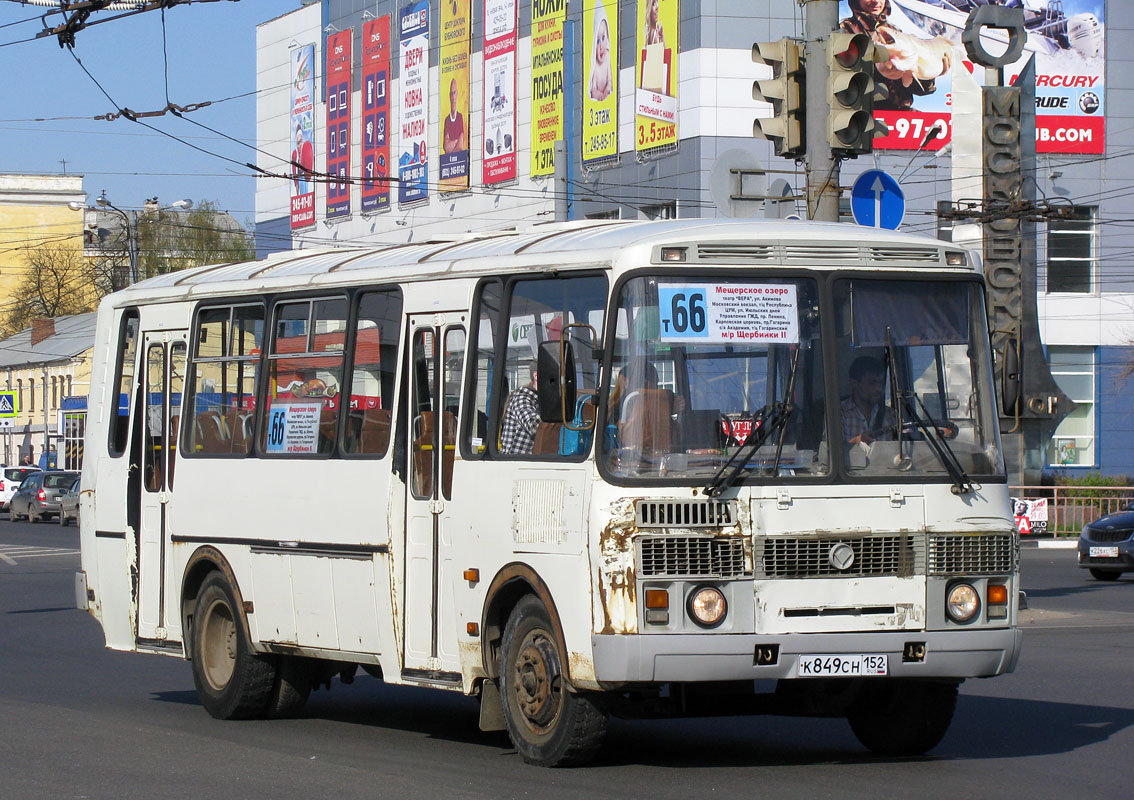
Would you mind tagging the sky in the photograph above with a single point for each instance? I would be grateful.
(50, 103)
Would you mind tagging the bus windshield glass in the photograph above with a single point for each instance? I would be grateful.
(701, 364)
(914, 380)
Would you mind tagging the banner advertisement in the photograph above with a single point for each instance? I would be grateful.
(600, 80)
(456, 28)
(655, 95)
(413, 25)
(924, 41)
(500, 24)
(337, 80)
(548, 17)
(302, 136)
(375, 115)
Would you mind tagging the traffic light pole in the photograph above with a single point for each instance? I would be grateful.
(822, 17)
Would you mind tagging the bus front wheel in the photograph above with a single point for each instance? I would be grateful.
(549, 724)
(232, 681)
(896, 717)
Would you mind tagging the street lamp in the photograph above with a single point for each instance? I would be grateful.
(130, 221)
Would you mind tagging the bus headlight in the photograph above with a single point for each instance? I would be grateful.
(707, 606)
(962, 602)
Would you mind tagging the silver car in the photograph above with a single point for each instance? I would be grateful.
(38, 496)
(69, 505)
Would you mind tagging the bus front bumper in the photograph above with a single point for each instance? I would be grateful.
(664, 658)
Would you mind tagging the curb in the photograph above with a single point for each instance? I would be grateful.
(1051, 544)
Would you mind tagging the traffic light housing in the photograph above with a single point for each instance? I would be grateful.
(784, 90)
(852, 92)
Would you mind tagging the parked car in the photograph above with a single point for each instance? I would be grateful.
(69, 504)
(38, 496)
(1106, 546)
(10, 481)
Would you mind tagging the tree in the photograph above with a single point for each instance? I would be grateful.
(169, 241)
(56, 283)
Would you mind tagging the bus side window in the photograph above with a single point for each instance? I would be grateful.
(227, 343)
(542, 310)
(305, 378)
(483, 372)
(372, 372)
(123, 384)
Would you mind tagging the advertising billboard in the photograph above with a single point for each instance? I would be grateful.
(375, 115)
(655, 75)
(337, 81)
(600, 80)
(1066, 39)
(499, 157)
(302, 136)
(413, 155)
(548, 17)
(456, 28)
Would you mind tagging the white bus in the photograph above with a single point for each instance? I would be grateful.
(582, 470)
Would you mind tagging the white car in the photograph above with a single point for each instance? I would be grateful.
(10, 481)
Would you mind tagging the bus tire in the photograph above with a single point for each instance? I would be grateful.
(549, 724)
(895, 717)
(232, 682)
(291, 688)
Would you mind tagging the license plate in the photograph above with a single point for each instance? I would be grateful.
(845, 665)
(1104, 552)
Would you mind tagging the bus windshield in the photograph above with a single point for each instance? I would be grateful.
(700, 364)
(914, 379)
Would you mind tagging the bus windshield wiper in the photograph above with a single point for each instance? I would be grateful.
(962, 483)
(768, 420)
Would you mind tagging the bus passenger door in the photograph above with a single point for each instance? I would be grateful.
(162, 386)
(437, 347)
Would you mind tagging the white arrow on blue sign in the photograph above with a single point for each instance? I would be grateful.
(877, 201)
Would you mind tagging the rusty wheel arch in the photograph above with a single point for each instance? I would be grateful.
(204, 560)
(511, 583)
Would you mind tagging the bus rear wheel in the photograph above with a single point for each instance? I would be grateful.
(232, 681)
(549, 724)
(896, 717)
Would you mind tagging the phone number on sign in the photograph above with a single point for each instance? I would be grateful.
(909, 129)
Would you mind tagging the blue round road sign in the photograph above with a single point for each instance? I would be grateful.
(877, 201)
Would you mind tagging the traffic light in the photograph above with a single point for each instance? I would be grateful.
(852, 91)
(784, 90)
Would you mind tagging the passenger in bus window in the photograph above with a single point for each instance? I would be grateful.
(521, 419)
(865, 414)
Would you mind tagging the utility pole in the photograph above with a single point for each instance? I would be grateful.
(822, 167)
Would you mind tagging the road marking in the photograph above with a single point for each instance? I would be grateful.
(9, 554)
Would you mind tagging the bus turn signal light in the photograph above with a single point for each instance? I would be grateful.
(657, 598)
(472, 575)
(997, 601)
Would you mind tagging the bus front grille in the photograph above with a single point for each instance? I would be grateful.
(899, 555)
(986, 554)
(691, 557)
(685, 513)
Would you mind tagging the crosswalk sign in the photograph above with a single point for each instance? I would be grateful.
(8, 407)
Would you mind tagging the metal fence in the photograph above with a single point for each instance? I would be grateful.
(1069, 508)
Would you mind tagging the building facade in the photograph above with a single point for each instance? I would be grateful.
(47, 369)
(669, 134)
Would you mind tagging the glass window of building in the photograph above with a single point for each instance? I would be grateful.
(1073, 444)
(1071, 251)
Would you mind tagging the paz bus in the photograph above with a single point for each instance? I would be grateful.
(578, 471)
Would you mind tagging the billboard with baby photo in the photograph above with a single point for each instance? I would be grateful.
(923, 38)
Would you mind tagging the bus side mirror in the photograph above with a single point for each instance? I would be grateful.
(1010, 370)
(556, 381)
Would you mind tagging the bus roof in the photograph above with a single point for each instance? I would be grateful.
(731, 242)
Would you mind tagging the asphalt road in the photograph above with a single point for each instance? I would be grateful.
(77, 720)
